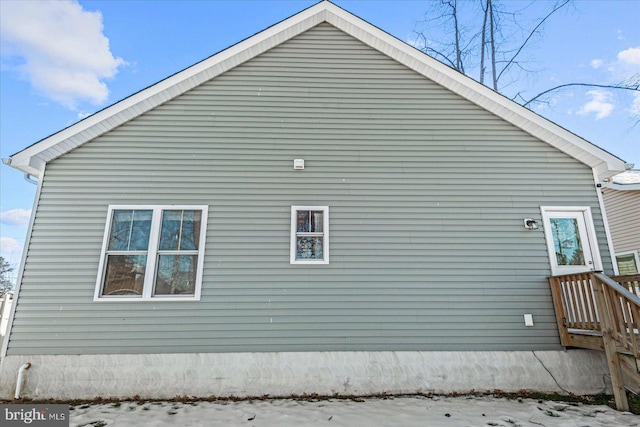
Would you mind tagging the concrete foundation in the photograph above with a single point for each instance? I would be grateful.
(163, 376)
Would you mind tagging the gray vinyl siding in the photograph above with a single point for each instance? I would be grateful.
(426, 192)
(623, 214)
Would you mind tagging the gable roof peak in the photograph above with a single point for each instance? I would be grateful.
(32, 160)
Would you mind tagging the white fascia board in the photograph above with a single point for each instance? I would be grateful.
(605, 164)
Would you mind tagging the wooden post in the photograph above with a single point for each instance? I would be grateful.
(561, 312)
(606, 323)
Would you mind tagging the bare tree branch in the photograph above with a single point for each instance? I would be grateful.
(429, 50)
(622, 86)
(6, 283)
(522, 46)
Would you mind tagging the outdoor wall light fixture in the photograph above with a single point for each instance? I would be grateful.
(530, 224)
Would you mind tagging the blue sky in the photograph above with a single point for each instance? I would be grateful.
(63, 60)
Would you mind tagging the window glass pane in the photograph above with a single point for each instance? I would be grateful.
(124, 275)
(317, 221)
(120, 230)
(170, 233)
(190, 230)
(140, 230)
(309, 221)
(130, 230)
(627, 264)
(302, 222)
(309, 247)
(180, 230)
(176, 275)
(566, 239)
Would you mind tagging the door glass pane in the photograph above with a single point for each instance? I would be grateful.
(566, 240)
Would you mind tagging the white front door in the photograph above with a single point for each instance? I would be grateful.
(571, 240)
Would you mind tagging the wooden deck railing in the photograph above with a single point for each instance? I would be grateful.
(629, 281)
(624, 308)
(594, 311)
(574, 302)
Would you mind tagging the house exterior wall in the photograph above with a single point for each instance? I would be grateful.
(426, 193)
(623, 213)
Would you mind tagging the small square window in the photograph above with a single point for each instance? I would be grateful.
(309, 235)
(151, 252)
(627, 262)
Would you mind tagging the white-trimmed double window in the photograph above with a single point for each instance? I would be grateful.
(309, 235)
(152, 252)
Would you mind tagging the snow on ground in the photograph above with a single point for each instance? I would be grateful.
(390, 412)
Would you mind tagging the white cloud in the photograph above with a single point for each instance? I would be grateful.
(10, 249)
(63, 50)
(630, 56)
(625, 65)
(601, 104)
(19, 217)
(623, 68)
(596, 63)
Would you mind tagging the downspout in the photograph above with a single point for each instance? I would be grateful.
(20, 380)
(605, 220)
(23, 369)
(16, 294)
(29, 178)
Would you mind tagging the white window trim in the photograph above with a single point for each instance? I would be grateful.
(325, 228)
(152, 252)
(634, 253)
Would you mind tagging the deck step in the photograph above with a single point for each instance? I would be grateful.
(596, 312)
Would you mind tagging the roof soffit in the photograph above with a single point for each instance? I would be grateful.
(603, 163)
(626, 181)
